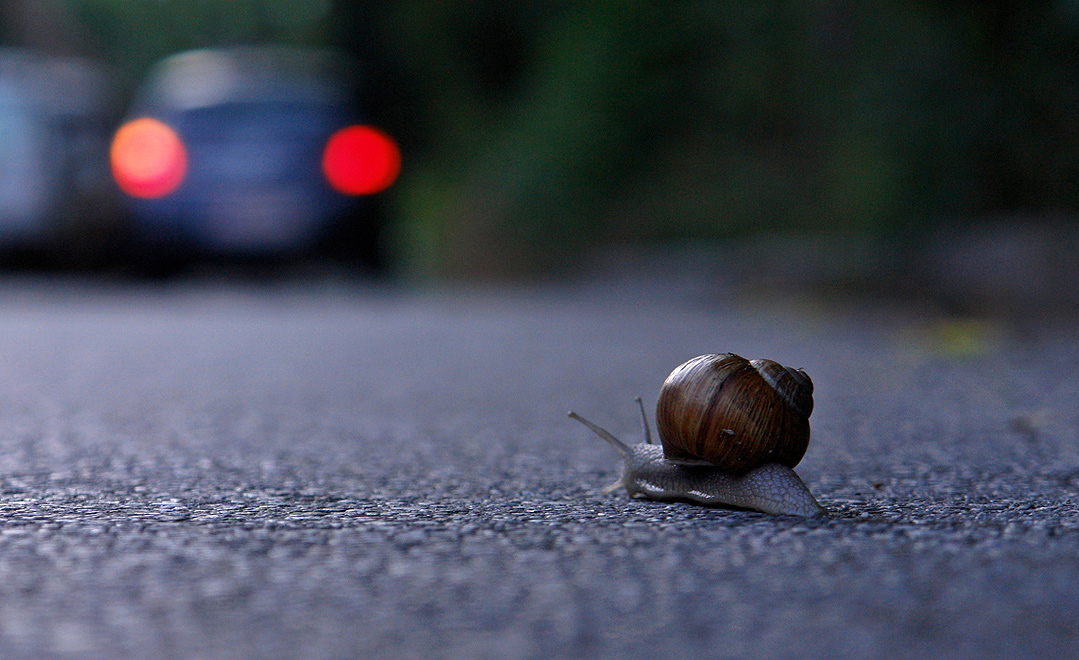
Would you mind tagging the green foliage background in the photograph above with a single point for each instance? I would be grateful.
(534, 130)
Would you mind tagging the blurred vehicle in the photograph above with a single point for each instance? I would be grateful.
(56, 198)
(248, 151)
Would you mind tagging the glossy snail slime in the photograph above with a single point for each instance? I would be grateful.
(731, 430)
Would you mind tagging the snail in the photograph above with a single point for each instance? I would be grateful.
(731, 430)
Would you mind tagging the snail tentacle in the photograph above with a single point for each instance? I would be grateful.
(619, 446)
(644, 422)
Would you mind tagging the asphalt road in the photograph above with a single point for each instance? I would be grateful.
(206, 471)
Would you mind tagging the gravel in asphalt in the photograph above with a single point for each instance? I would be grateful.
(199, 471)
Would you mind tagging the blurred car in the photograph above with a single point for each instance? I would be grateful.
(253, 150)
(55, 123)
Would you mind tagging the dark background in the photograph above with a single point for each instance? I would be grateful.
(534, 132)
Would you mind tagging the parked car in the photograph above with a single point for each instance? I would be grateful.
(254, 150)
(56, 197)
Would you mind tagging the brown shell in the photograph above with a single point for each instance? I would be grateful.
(735, 413)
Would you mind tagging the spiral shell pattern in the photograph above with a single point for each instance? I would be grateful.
(734, 413)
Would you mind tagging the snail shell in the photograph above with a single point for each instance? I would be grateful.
(731, 430)
(734, 413)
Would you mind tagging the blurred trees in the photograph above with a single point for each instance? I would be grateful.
(537, 128)
(549, 127)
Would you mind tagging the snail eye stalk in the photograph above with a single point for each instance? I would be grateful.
(644, 422)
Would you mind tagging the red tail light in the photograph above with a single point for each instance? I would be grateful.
(148, 158)
(361, 160)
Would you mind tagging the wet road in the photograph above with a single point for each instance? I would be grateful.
(338, 472)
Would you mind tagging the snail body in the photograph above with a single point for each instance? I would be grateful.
(731, 430)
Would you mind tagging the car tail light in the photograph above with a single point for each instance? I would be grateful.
(361, 160)
(148, 158)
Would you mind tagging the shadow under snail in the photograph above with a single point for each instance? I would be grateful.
(731, 430)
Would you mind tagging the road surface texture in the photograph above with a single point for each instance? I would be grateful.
(197, 471)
